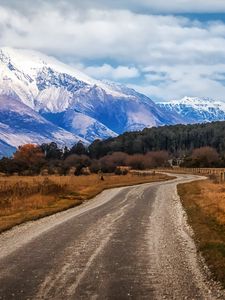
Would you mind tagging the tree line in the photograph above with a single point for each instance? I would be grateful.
(198, 145)
(32, 159)
(177, 140)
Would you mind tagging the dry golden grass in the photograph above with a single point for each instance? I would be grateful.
(28, 198)
(210, 198)
(204, 202)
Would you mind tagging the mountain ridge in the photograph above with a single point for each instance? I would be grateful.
(43, 100)
(83, 107)
(196, 109)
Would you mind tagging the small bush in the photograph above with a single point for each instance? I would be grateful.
(121, 171)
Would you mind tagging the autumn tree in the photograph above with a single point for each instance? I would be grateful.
(202, 157)
(205, 156)
(29, 157)
(109, 162)
(77, 161)
(136, 161)
(156, 159)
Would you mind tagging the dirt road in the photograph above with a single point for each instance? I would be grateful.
(127, 243)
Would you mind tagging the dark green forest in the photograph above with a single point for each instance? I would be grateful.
(177, 140)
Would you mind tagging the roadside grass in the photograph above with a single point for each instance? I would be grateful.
(204, 202)
(28, 198)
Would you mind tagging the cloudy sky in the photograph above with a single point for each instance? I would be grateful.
(166, 49)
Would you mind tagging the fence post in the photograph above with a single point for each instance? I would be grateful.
(223, 176)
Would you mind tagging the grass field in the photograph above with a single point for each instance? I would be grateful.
(29, 198)
(204, 202)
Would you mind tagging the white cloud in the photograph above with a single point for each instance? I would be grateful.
(184, 80)
(175, 56)
(108, 72)
(150, 6)
(123, 36)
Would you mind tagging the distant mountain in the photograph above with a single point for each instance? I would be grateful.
(43, 100)
(6, 149)
(48, 100)
(196, 110)
(20, 124)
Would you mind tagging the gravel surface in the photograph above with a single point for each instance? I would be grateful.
(127, 243)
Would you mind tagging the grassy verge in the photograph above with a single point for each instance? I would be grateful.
(28, 198)
(204, 202)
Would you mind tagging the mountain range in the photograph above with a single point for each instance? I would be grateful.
(196, 110)
(43, 100)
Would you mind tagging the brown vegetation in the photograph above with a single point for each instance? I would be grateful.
(28, 198)
(203, 157)
(149, 160)
(206, 154)
(49, 159)
(204, 202)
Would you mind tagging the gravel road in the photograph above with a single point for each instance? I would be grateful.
(127, 243)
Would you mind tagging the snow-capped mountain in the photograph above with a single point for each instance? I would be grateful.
(19, 124)
(79, 106)
(6, 149)
(80, 124)
(196, 110)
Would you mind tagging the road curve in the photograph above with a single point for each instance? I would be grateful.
(127, 243)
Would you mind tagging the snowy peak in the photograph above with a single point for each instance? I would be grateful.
(67, 102)
(38, 79)
(195, 102)
(48, 85)
(31, 62)
(35, 65)
(196, 110)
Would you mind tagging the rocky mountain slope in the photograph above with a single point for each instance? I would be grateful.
(43, 99)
